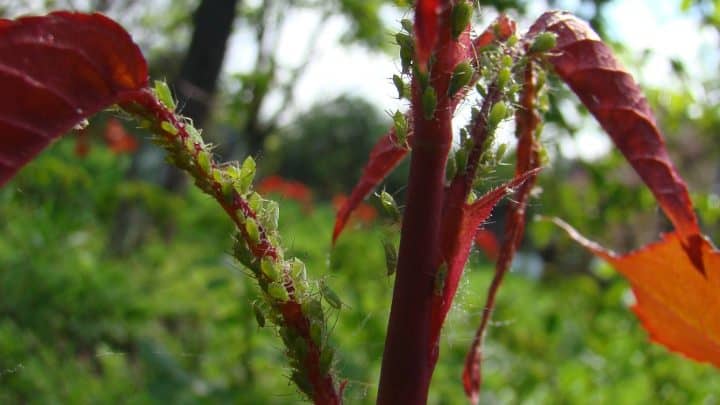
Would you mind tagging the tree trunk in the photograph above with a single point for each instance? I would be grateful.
(196, 85)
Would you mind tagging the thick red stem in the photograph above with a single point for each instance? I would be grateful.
(406, 368)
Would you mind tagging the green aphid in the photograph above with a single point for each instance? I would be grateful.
(169, 128)
(330, 296)
(270, 215)
(391, 256)
(253, 231)
(204, 161)
(429, 103)
(297, 269)
(326, 358)
(450, 168)
(471, 198)
(300, 347)
(255, 202)
(461, 157)
(389, 205)
(407, 25)
(406, 58)
(313, 309)
(500, 153)
(543, 42)
(316, 333)
(303, 383)
(460, 18)
(461, 77)
(270, 269)
(247, 174)
(401, 128)
(440, 277)
(194, 133)
(401, 87)
(480, 87)
(404, 40)
(163, 93)
(259, 314)
(498, 112)
(504, 77)
(278, 292)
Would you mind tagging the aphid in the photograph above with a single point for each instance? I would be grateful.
(269, 269)
(401, 127)
(203, 159)
(259, 315)
(543, 42)
(252, 230)
(460, 18)
(163, 93)
(498, 112)
(389, 205)
(461, 77)
(440, 277)
(278, 292)
(169, 127)
(429, 102)
(330, 296)
(390, 257)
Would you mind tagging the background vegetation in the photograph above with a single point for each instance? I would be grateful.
(99, 306)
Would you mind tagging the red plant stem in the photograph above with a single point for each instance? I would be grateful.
(143, 103)
(527, 159)
(406, 367)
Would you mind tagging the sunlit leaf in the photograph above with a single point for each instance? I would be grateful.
(55, 71)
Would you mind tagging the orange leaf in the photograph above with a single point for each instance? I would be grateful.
(677, 305)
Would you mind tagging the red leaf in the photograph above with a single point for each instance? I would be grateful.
(527, 121)
(384, 157)
(589, 67)
(679, 307)
(426, 29)
(118, 139)
(488, 243)
(289, 189)
(459, 230)
(55, 71)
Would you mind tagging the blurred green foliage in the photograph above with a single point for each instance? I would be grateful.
(172, 323)
(327, 147)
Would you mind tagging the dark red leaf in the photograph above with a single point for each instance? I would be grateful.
(384, 157)
(55, 71)
(589, 67)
